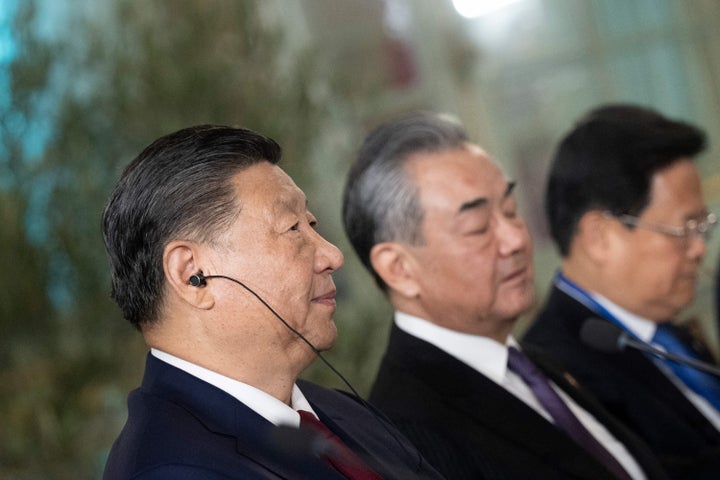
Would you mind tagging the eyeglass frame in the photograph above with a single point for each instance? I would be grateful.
(693, 227)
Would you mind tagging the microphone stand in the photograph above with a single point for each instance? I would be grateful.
(691, 362)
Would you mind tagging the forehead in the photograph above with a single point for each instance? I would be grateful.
(677, 186)
(451, 178)
(265, 186)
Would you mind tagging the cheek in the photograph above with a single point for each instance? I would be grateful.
(478, 281)
(297, 289)
(458, 272)
(455, 280)
(284, 285)
(661, 276)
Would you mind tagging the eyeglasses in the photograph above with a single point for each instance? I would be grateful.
(701, 228)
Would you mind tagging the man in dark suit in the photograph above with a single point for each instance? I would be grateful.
(625, 207)
(435, 221)
(195, 212)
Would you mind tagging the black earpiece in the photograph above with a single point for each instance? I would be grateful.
(197, 280)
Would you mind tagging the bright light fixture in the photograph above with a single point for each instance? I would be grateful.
(478, 8)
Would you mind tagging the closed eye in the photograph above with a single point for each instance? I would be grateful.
(479, 230)
(510, 210)
(312, 221)
(509, 205)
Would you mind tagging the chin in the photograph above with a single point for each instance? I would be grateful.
(325, 346)
(327, 340)
(683, 297)
(522, 303)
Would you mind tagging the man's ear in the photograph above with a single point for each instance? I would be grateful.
(395, 265)
(594, 235)
(181, 260)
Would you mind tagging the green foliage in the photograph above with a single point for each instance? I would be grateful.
(84, 102)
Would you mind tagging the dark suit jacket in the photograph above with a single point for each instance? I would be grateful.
(632, 388)
(469, 427)
(180, 427)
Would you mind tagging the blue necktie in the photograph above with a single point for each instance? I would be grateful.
(563, 417)
(704, 384)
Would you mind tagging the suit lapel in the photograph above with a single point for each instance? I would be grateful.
(637, 448)
(223, 414)
(633, 362)
(485, 402)
(368, 433)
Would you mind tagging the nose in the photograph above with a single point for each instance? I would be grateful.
(328, 257)
(512, 235)
(697, 246)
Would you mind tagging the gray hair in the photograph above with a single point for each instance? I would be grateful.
(380, 202)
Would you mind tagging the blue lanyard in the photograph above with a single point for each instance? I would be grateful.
(582, 296)
(699, 382)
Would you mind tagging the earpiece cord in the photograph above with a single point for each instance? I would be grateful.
(317, 352)
(300, 335)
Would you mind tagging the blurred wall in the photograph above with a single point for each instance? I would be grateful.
(88, 83)
(519, 76)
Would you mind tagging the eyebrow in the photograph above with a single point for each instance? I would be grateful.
(289, 201)
(697, 215)
(482, 201)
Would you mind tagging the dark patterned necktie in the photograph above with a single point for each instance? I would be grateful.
(343, 460)
(563, 417)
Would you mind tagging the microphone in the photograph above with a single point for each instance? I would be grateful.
(300, 442)
(607, 337)
(303, 443)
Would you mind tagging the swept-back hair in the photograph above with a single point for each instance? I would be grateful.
(380, 202)
(179, 187)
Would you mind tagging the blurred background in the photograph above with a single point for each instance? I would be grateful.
(86, 84)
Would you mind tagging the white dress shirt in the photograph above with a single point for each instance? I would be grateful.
(264, 404)
(489, 358)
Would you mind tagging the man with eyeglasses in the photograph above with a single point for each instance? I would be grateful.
(435, 221)
(626, 210)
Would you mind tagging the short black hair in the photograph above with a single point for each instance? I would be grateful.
(607, 161)
(179, 187)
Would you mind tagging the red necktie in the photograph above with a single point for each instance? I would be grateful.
(344, 460)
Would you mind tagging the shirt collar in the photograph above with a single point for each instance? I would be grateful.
(483, 354)
(642, 328)
(264, 404)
